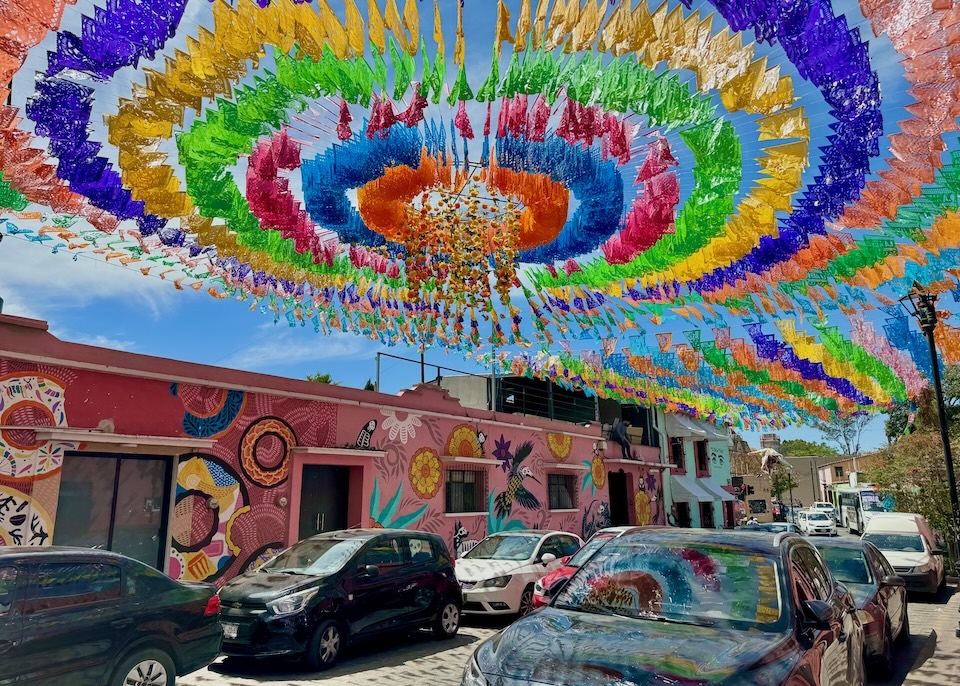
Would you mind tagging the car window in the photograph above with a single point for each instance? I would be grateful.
(143, 580)
(386, 554)
(8, 584)
(810, 579)
(514, 547)
(568, 545)
(588, 549)
(550, 545)
(906, 543)
(319, 556)
(881, 563)
(848, 565)
(421, 550)
(62, 585)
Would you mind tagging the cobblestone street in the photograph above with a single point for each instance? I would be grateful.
(419, 659)
(408, 661)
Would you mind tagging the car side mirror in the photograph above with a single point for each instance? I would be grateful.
(547, 558)
(369, 572)
(938, 552)
(817, 614)
(893, 580)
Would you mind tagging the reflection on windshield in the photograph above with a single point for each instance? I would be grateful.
(592, 546)
(700, 584)
(506, 547)
(818, 517)
(905, 543)
(871, 502)
(315, 556)
(847, 564)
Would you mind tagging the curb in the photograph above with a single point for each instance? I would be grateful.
(929, 645)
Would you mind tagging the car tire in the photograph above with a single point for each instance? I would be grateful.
(903, 638)
(526, 601)
(147, 667)
(324, 646)
(447, 622)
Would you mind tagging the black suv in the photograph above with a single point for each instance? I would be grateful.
(340, 586)
(95, 618)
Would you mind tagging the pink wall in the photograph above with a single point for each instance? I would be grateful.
(399, 448)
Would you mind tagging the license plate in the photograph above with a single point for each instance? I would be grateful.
(230, 630)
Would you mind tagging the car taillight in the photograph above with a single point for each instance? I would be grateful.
(213, 606)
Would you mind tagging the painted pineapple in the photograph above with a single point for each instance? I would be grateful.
(515, 490)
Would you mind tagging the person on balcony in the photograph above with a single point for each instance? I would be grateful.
(618, 433)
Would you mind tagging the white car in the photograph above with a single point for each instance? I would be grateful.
(498, 576)
(909, 544)
(826, 508)
(814, 523)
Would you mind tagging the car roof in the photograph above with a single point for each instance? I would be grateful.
(761, 542)
(532, 532)
(847, 543)
(350, 534)
(57, 551)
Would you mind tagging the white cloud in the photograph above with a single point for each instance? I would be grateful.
(101, 341)
(35, 281)
(285, 350)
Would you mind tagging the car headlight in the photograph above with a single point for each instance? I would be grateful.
(496, 582)
(539, 589)
(293, 603)
(472, 676)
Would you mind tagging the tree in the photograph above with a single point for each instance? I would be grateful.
(797, 447)
(781, 481)
(844, 431)
(898, 417)
(322, 378)
(369, 385)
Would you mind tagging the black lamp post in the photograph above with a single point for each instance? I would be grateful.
(922, 305)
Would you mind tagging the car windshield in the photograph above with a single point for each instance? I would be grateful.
(315, 556)
(818, 517)
(691, 584)
(505, 547)
(871, 502)
(847, 565)
(904, 543)
(591, 546)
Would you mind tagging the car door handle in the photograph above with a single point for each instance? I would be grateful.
(121, 623)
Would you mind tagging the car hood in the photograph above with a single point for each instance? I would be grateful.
(556, 575)
(904, 559)
(261, 587)
(477, 570)
(560, 647)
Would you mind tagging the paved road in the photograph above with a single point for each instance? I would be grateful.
(417, 660)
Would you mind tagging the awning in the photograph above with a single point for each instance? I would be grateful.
(713, 433)
(679, 426)
(685, 489)
(711, 485)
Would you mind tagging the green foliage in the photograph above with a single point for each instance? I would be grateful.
(781, 481)
(797, 447)
(322, 378)
(369, 385)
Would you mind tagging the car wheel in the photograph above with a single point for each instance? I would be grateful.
(903, 638)
(447, 623)
(149, 667)
(526, 600)
(324, 646)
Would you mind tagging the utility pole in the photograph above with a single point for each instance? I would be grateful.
(923, 306)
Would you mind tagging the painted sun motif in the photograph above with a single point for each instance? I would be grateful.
(598, 471)
(560, 445)
(463, 442)
(425, 473)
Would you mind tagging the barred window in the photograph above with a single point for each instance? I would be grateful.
(562, 491)
(466, 490)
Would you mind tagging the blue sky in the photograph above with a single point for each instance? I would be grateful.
(89, 301)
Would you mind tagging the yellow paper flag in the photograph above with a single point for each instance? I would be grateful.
(411, 19)
(354, 28)
(438, 28)
(376, 28)
(523, 27)
(503, 26)
(539, 23)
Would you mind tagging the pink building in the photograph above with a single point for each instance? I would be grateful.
(203, 471)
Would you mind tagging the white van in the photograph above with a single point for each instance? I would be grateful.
(909, 544)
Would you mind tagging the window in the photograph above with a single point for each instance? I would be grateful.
(676, 452)
(143, 580)
(421, 550)
(562, 491)
(758, 506)
(8, 584)
(568, 545)
(703, 460)
(466, 490)
(811, 578)
(838, 472)
(69, 584)
(384, 553)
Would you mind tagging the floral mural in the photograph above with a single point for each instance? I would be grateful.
(426, 472)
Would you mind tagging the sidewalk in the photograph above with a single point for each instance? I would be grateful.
(939, 659)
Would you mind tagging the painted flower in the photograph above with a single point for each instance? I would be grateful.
(463, 442)
(502, 452)
(641, 504)
(559, 445)
(651, 482)
(425, 473)
(599, 472)
(400, 425)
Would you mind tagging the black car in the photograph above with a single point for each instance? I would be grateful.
(878, 591)
(686, 606)
(341, 586)
(94, 618)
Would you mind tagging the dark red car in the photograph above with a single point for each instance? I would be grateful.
(548, 585)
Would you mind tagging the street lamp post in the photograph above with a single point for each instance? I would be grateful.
(923, 306)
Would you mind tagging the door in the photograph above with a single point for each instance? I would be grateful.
(426, 577)
(828, 651)
(75, 623)
(683, 515)
(323, 499)
(895, 596)
(383, 601)
(619, 500)
(115, 502)
(10, 623)
(706, 516)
